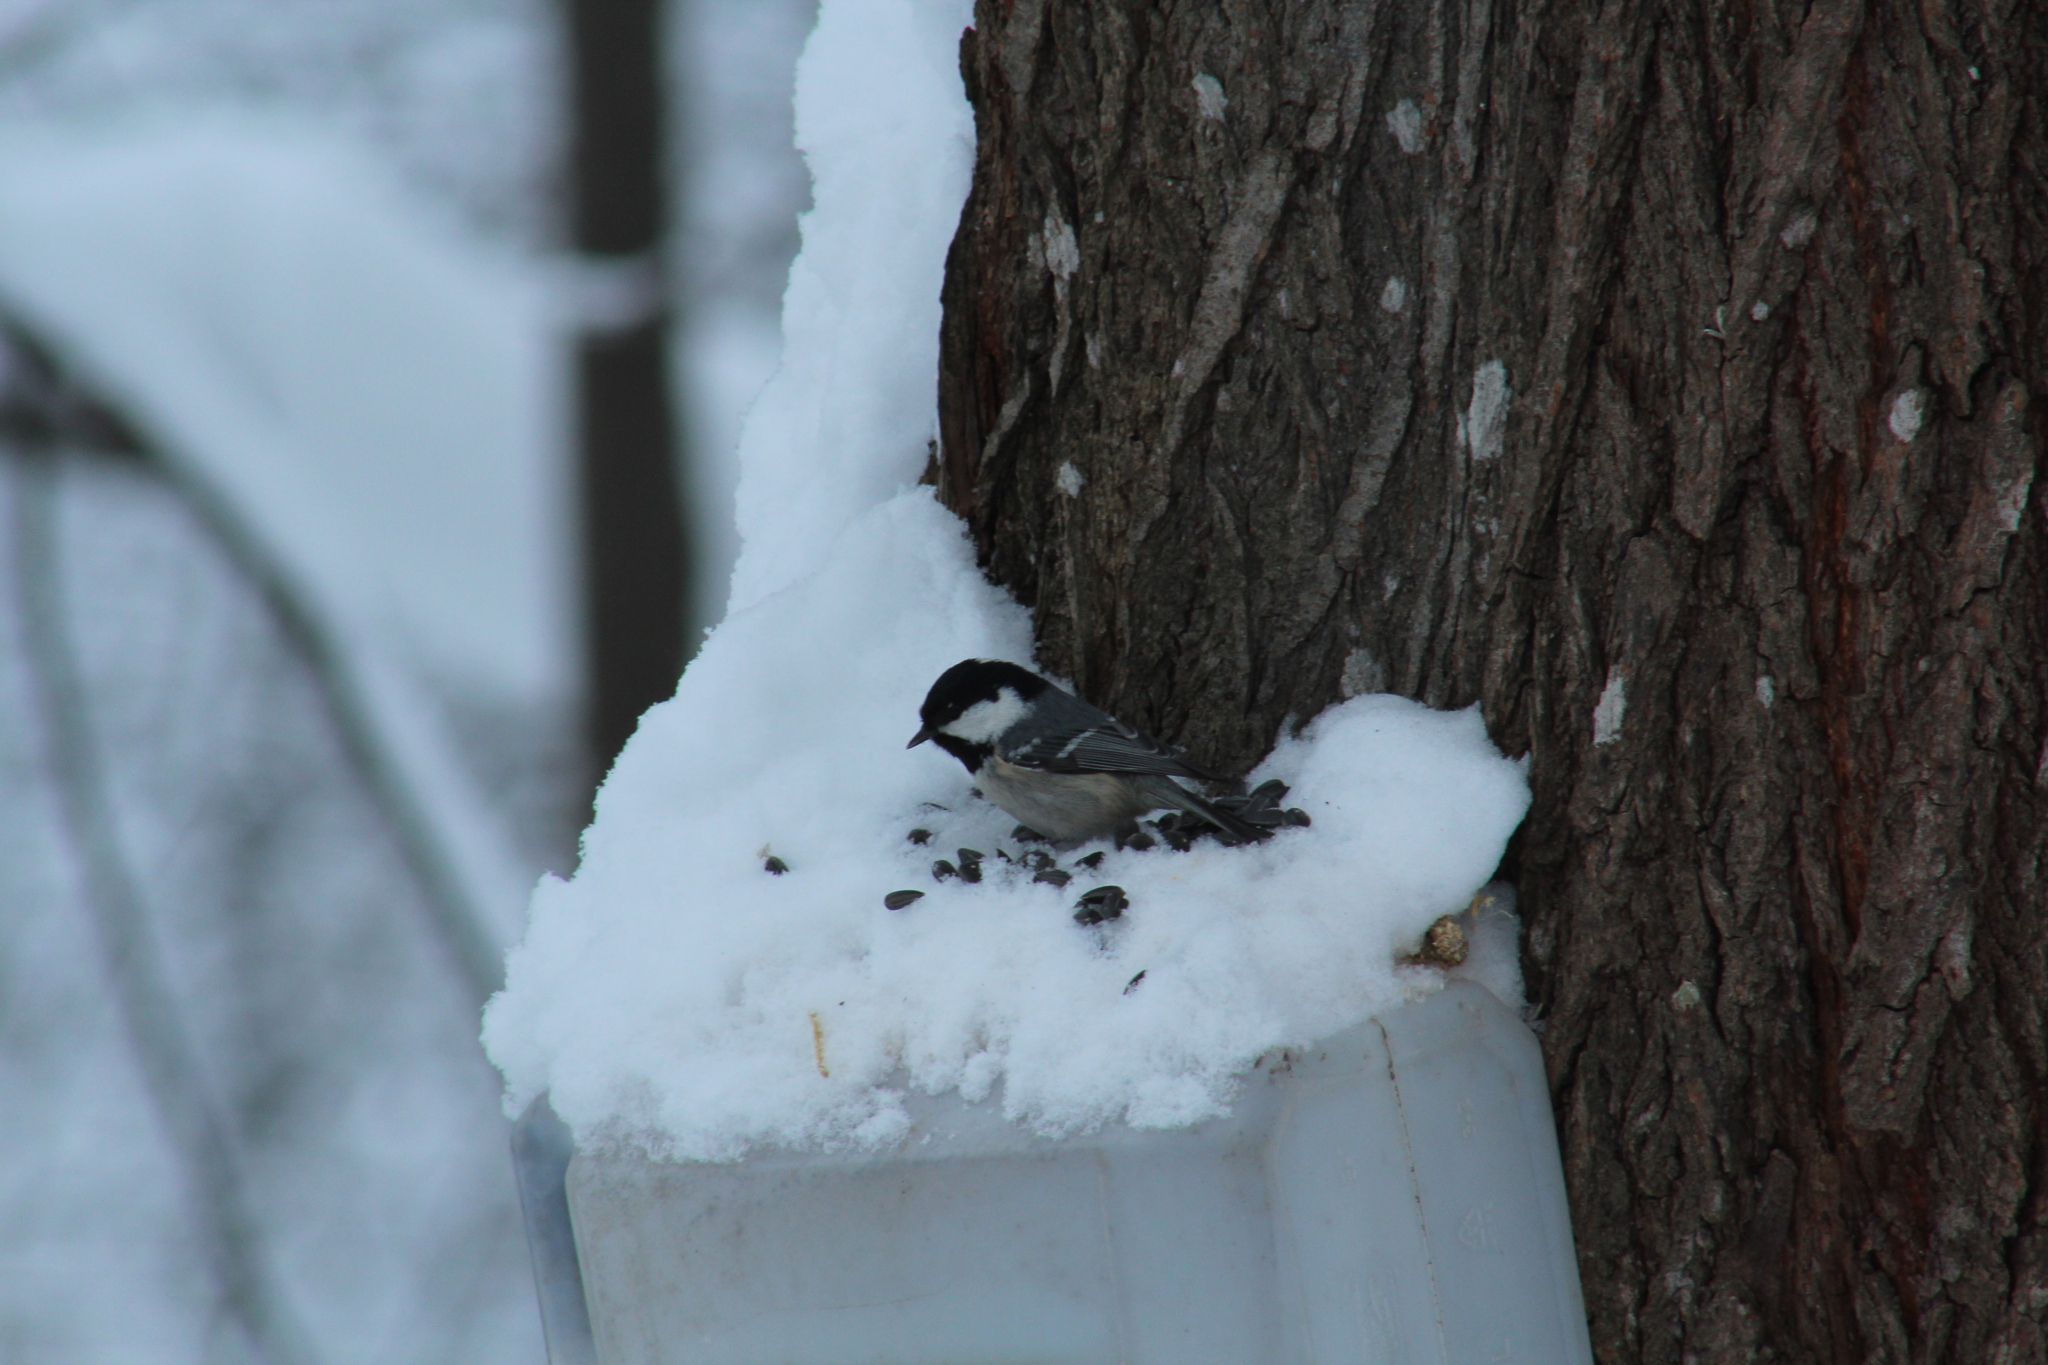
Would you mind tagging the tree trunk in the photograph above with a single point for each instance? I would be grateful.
(1666, 379)
(634, 557)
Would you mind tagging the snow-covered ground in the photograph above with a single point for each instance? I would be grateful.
(679, 995)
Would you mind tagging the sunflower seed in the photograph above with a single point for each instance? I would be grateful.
(1100, 904)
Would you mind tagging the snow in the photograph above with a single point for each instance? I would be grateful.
(1404, 121)
(333, 1033)
(741, 186)
(254, 226)
(1362, 673)
(1485, 421)
(1612, 706)
(378, 398)
(457, 97)
(846, 419)
(1493, 939)
(677, 998)
(369, 405)
(1906, 414)
(1062, 251)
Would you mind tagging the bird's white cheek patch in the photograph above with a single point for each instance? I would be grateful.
(983, 721)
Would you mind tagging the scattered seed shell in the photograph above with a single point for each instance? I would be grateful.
(1134, 983)
(919, 836)
(1052, 876)
(943, 869)
(774, 866)
(1091, 862)
(1444, 944)
(1106, 898)
(896, 900)
(1101, 904)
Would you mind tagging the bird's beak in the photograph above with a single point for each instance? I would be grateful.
(921, 736)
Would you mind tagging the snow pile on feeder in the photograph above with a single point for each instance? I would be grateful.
(729, 970)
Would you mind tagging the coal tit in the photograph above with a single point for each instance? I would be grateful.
(1067, 770)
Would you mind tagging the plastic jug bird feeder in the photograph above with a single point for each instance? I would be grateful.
(1393, 1194)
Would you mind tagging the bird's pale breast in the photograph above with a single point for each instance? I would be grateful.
(1062, 806)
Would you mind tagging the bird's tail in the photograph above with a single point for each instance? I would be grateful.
(1171, 793)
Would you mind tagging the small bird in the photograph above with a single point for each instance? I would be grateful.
(1067, 770)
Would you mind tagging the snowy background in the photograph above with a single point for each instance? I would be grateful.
(309, 250)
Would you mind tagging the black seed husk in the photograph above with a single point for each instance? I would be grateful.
(1109, 900)
(1100, 905)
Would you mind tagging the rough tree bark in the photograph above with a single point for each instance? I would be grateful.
(1667, 379)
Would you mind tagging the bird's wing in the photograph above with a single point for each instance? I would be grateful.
(1106, 745)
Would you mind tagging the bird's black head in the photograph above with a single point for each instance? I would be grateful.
(972, 702)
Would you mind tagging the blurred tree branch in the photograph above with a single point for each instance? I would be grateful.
(161, 1045)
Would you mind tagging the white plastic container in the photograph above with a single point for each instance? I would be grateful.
(1392, 1195)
